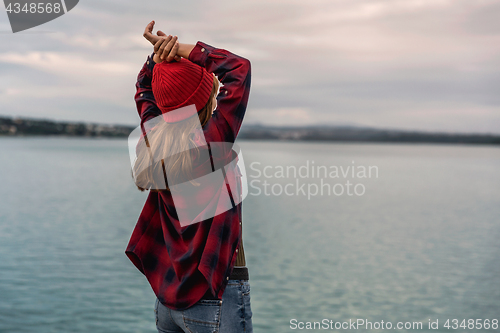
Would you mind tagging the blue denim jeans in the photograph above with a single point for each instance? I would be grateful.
(232, 314)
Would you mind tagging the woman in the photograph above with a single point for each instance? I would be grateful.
(195, 266)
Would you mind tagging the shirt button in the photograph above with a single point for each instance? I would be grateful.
(148, 62)
(202, 49)
(225, 92)
(236, 250)
(141, 95)
(227, 278)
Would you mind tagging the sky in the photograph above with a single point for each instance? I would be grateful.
(430, 65)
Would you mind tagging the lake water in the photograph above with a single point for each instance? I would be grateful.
(419, 241)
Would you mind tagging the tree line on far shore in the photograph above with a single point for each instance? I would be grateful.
(32, 127)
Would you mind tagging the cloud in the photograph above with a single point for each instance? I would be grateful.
(66, 64)
(370, 62)
(279, 116)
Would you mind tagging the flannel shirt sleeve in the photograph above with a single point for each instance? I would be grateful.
(144, 99)
(234, 72)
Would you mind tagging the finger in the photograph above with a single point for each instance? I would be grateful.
(157, 45)
(168, 48)
(165, 48)
(173, 52)
(148, 31)
(177, 58)
(161, 44)
(160, 33)
(149, 27)
(165, 52)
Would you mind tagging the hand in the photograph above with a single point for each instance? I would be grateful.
(161, 37)
(148, 33)
(166, 48)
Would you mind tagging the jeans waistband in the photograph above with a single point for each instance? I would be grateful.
(238, 273)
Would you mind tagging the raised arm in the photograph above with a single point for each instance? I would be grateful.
(163, 46)
(234, 72)
(144, 99)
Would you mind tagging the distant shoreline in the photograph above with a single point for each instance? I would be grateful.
(28, 127)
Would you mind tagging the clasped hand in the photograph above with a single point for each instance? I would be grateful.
(165, 47)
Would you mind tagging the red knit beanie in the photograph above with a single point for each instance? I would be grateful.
(178, 84)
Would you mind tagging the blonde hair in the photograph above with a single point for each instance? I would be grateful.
(165, 139)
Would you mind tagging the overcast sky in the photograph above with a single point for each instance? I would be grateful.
(409, 64)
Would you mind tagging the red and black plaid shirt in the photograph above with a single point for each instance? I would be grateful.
(183, 263)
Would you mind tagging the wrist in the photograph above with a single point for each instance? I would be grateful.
(184, 50)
